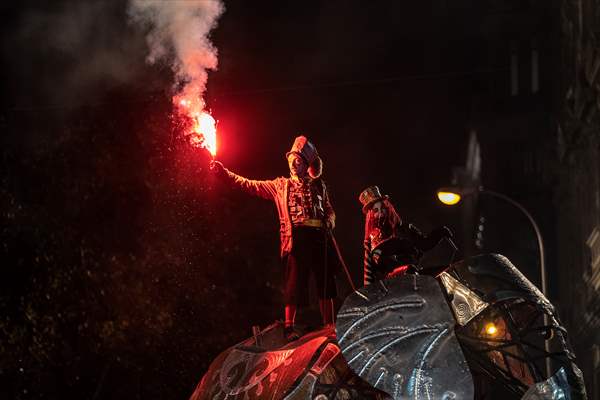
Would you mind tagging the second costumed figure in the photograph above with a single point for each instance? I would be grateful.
(392, 247)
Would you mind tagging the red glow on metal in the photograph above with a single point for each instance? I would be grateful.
(400, 270)
(202, 129)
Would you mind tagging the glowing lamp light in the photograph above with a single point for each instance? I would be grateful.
(448, 198)
(491, 329)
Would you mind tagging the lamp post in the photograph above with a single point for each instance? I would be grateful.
(452, 195)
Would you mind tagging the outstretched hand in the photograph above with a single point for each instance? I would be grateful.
(216, 167)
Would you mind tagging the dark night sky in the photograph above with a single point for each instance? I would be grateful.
(355, 80)
(95, 174)
(377, 87)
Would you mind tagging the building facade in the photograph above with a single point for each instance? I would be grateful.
(577, 197)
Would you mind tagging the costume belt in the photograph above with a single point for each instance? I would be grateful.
(313, 223)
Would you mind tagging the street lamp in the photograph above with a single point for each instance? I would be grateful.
(452, 195)
(448, 197)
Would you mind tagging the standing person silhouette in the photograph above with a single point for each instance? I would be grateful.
(306, 220)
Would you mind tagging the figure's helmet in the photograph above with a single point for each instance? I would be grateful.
(305, 149)
(369, 196)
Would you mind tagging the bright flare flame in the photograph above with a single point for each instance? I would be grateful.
(206, 130)
(448, 198)
(490, 329)
(203, 131)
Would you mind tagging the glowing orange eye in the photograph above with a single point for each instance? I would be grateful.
(490, 329)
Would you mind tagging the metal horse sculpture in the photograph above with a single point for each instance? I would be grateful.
(477, 329)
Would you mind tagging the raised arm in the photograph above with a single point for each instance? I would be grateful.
(266, 189)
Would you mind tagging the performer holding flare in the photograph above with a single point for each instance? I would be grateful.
(306, 220)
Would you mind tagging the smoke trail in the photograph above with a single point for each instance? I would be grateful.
(178, 35)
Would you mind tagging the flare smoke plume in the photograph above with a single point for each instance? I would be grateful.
(178, 35)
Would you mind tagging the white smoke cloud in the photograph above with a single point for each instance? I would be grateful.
(179, 35)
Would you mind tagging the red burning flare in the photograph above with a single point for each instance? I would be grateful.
(203, 130)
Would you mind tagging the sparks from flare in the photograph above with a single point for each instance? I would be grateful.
(203, 130)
